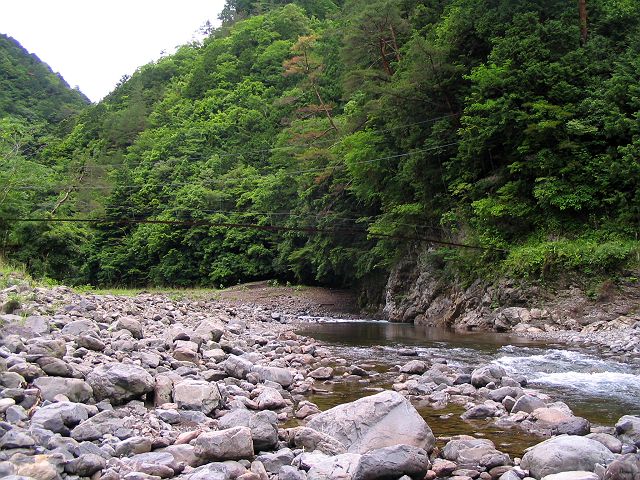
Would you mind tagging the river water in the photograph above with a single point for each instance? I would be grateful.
(598, 388)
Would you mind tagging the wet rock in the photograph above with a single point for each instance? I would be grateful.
(197, 395)
(565, 453)
(263, 426)
(119, 382)
(378, 421)
(230, 444)
(392, 462)
(74, 389)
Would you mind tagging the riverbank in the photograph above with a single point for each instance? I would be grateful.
(107, 386)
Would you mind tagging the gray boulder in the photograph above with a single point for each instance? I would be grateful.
(74, 389)
(393, 462)
(472, 452)
(273, 374)
(578, 475)
(378, 421)
(263, 426)
(120, 382)
(340, 467)
(628, 429)
(59, 417)
(564, 454)
(78, 327)
(107, 422)
(626, 467)
(237, 367)
(274, 461)
(486, 374)
(85, 465)
(230, 444)
(527, 403)
(197, 395)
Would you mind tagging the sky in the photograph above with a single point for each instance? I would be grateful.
(93, 43)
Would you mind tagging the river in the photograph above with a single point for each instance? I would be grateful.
(598, 388)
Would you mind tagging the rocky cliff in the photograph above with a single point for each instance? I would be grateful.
(417, 291)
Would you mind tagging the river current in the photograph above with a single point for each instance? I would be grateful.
(599, 388)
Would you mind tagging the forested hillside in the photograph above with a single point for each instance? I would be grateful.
(350, 133)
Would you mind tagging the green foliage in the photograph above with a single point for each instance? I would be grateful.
(345, 133)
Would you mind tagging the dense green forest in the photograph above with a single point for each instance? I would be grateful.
(349, 132)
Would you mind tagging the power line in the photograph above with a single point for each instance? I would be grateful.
(252, 226)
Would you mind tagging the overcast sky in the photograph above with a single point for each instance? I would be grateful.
(93, 43)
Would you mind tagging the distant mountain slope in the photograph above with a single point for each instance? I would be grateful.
(29, 89)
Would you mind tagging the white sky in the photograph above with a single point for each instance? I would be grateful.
(93, 43)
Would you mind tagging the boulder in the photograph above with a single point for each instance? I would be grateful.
(378, 421)
(230, 444)
(273, 374)
(626, 467)
(609, 441)
(579, 475)
(132, 325)
(78, 327)
(119, 382)
(564, 454)
(85, 465)
(197, 395)
(392, 462)
(270, 399)
(107, 422)
(322, 373)
(472, 452)
(59, 417)
(527, 404)
(414, 366)
(340, 467)
(486, 374)
(560, 421)
(74, 389)
(237, 367)
(263, 426)
(628, 429)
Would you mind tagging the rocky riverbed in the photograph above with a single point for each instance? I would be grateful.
(147, 387)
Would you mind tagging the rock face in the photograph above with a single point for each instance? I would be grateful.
(119, 382)
(564, 454)
(378, 421)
